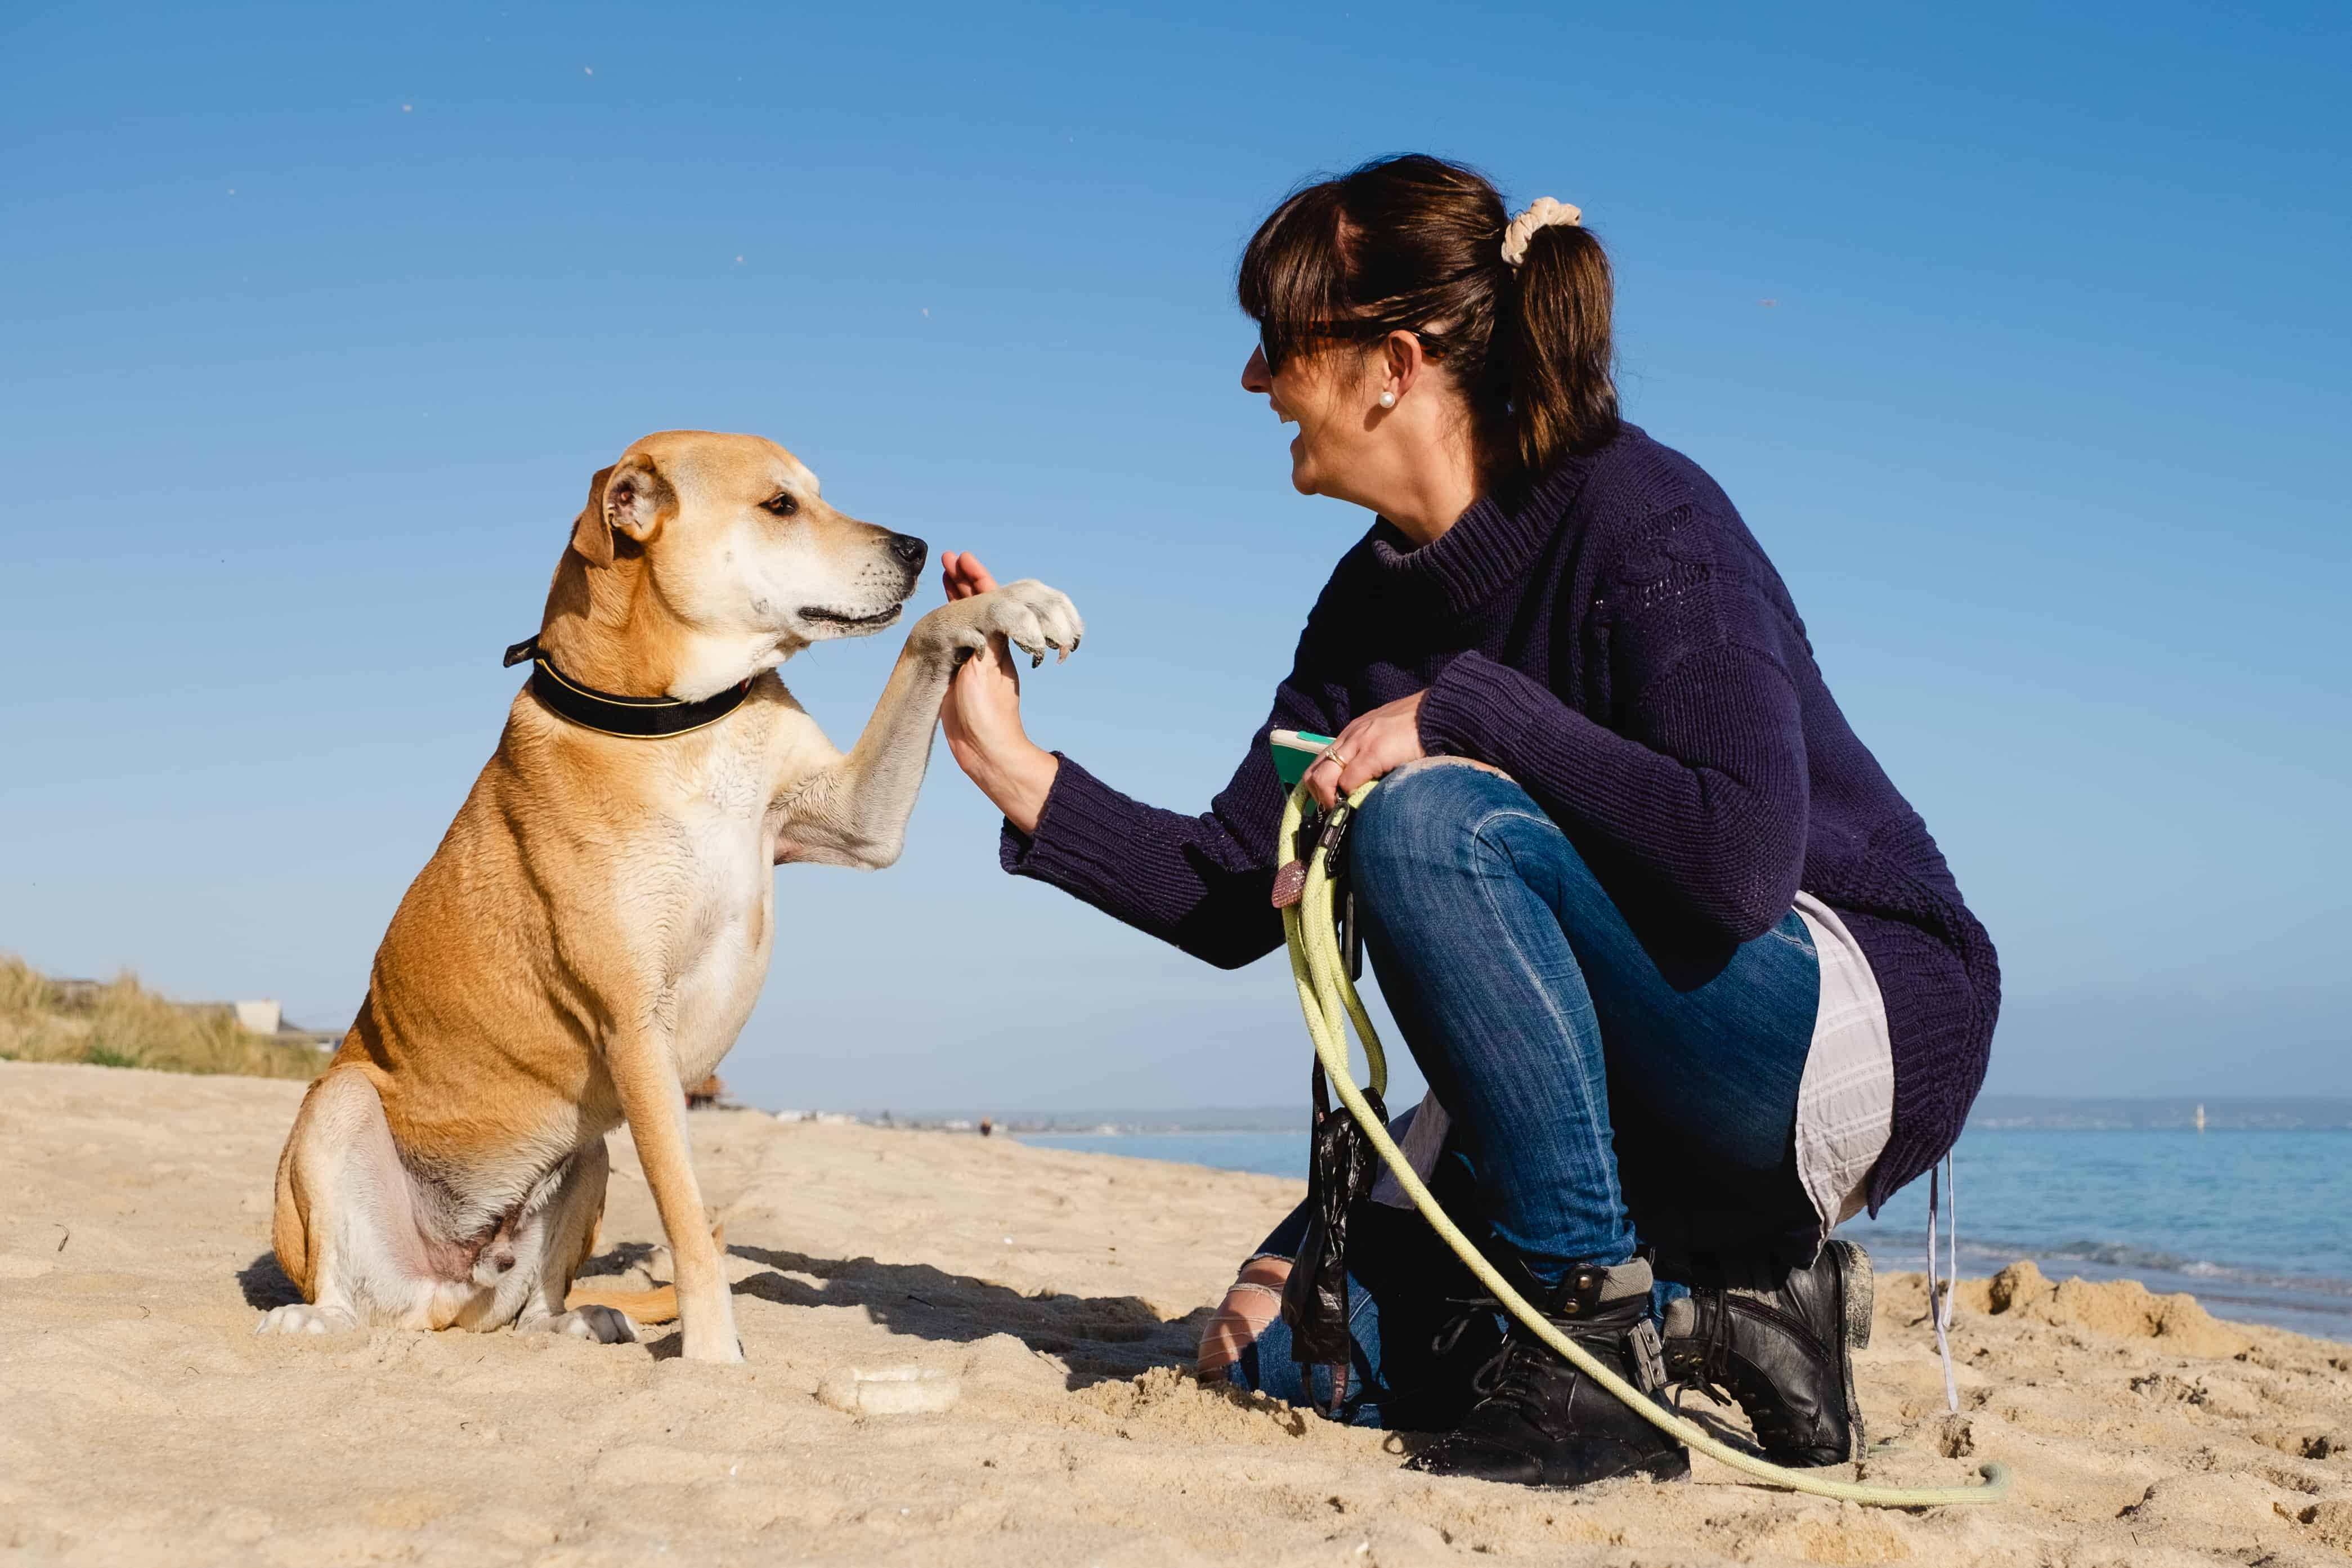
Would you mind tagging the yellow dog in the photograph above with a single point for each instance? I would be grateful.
(596, 924)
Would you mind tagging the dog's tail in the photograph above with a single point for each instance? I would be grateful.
(658, 1305)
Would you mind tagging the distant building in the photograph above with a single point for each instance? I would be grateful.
(267, 1017)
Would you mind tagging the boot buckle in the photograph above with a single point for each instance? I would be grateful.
(1648, 1355)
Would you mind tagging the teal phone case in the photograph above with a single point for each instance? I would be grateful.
(1295, 752)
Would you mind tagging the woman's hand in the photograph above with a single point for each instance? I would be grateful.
(1252, 1303)
(962, 575)
(981, 714)
(1370, 747)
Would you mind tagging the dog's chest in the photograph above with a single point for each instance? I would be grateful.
(720, 925)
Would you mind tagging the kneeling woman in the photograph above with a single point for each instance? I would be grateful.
(1689, 980)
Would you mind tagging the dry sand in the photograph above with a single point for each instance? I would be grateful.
(144, 1423)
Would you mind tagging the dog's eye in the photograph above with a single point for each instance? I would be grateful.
(783, 505)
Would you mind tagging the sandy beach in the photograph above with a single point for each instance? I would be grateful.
(145, 1424)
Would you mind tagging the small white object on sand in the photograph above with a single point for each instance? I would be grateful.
(890, 1390)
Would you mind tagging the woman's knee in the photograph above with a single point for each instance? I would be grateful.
(1435, 830)
(1428, 815)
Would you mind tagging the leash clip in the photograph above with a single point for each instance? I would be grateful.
(1334, 837)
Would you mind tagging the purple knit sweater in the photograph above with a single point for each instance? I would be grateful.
(1619, 645)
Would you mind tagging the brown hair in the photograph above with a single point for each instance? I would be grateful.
(1416, 243)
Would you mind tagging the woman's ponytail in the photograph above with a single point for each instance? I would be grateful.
(1561, 356)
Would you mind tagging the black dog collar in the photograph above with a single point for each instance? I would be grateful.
(644, 718)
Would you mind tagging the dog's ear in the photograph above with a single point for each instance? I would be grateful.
(632, 497)
(590, 534)
(637, 499)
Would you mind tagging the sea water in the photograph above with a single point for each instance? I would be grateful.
(2257, 1223)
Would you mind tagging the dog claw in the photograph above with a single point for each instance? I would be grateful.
(1037, 661)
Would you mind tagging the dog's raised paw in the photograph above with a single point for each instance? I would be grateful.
(302, 1318)
(1033, 617)
(598, 1325)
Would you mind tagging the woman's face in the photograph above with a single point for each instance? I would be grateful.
(1328, 393)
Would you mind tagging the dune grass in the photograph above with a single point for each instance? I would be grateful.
(124, 1025)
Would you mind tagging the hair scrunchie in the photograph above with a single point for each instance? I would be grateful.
(1542, 212)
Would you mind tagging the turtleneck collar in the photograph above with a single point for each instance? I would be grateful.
(1487, 549)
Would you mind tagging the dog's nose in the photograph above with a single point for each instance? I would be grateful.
(911, 550)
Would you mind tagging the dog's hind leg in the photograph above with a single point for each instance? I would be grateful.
(345, 1224)
(563, 1235)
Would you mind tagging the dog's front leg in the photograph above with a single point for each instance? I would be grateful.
(853, 811)
(644, 1073)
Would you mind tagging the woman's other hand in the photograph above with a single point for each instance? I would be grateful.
(981, 714)
(1373, 747)
(1252, 1301)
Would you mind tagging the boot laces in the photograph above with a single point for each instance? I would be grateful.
(1509, 1371)
(1714, 1369)
(1509, 1379)
(1469, 1310)
(1726, 1382)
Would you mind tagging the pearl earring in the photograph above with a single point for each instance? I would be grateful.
(1388, 400)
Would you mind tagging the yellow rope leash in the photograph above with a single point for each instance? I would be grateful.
(1327, 996)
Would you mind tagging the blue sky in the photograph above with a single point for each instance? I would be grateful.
(2020, 338)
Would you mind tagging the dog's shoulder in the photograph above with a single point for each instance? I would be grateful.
(791, 742)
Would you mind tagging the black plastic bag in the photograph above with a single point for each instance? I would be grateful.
(1341, 1167)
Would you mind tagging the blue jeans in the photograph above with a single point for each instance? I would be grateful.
(1606, 1089)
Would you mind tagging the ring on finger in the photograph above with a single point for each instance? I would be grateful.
(1338, 756)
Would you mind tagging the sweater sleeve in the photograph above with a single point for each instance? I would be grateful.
(1702, 779)
(1202, 883)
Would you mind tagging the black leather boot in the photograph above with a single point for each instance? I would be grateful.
(1542, 1423)
(1781, 1342)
